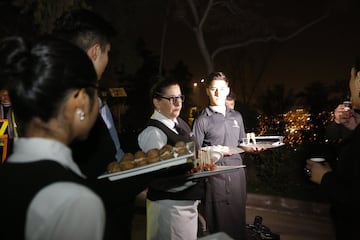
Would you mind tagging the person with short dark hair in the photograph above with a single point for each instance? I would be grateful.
(230, 100)
(44, 194)
(225, 194)
(340, 185)
(93, 34)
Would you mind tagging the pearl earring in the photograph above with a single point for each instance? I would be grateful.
(81, 114)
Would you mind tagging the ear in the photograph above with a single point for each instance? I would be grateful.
(94, 52)
(78, 99)
(227, 91)
(207, 92)
(156, 103)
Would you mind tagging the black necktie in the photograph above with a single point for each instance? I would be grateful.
(180, 130)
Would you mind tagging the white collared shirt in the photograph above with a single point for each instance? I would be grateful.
(106, 115)
(61, 210)
(152, 137)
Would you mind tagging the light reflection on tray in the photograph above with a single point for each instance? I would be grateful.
(225, 150)
(219, 170)
(264, 144)
(147, 168)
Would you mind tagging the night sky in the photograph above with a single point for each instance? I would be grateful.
(324, 52)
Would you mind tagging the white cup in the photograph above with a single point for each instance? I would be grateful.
(347, 105)
(318, 159)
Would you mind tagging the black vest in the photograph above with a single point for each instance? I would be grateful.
(19, 183)
(174, 176)
(172, 137)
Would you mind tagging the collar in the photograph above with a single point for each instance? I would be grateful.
(27, 150)
(166, 121)
(211, 110)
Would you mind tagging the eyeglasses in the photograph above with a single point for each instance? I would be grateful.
(174, 99)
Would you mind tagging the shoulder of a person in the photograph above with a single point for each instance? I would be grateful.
(71, 191)
(66, 196)
(150, 130)
(204, 113)
(236, 113)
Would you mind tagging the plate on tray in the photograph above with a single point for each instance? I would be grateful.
(264, 144)
(219, 170)
(147, 168)
(225, 150)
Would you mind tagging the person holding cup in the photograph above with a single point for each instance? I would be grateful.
(336, 131)
(340, 186)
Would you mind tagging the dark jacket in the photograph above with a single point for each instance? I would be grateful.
(341, 188)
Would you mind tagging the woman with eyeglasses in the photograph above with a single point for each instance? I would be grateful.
(44, 194)
(171, 214)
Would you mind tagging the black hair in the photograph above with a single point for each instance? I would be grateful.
(231, 96)
(40, 77)
(84, 28)
(158, 89)
(216, 75)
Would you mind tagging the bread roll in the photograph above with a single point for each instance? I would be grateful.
(166, 148)
(180, 144)
(126, 165)
(153, 153)
(127, 157)
(141, 161)
(167, 152)
(182, 151)
(153, 159)
(113, 167)
(139, 154)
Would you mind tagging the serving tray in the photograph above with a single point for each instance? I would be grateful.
(147, 168)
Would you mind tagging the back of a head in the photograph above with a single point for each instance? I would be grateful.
(39, 77)
(83, 28)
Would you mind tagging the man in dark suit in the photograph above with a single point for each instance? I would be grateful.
(93, 34)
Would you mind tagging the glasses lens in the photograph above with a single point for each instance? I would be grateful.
(176, 99)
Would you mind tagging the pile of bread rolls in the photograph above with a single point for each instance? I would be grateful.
(141, 158)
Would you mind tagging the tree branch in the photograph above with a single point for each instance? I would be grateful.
(268, 38)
